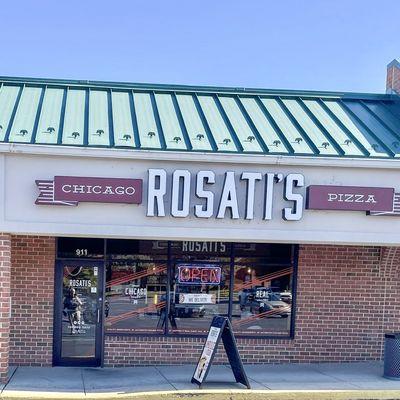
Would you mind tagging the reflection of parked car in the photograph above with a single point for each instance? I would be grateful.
(261, 300)
(286, 297)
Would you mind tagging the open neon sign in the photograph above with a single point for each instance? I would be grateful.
(189, 274)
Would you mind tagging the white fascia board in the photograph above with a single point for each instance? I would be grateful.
(201, 234)
(204, 157)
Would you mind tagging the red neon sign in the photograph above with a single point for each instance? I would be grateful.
(199, 274)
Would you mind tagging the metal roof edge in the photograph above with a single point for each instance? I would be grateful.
(200, 157)
(194, 88)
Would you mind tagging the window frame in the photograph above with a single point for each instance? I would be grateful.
(169, 260)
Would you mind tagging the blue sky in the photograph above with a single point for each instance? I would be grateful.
(341, 45)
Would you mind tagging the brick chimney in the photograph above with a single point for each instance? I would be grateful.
(393, 77)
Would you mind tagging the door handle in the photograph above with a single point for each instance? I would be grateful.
(98, 315)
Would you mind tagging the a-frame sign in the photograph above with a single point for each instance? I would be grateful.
(220, 328)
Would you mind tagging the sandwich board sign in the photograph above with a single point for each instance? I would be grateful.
(220, 328)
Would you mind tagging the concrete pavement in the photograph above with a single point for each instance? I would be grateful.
(283, 381)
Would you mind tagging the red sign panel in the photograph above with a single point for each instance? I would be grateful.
(70, 190)
(349, 198)
(190, 274)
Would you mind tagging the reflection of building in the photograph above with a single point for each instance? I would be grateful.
(208, 167)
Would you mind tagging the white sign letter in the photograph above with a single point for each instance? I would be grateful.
(208, 211)
(156, 195)
(180, 176)
(229, 197)
(269, 193)
(296, 212)
(251, 178)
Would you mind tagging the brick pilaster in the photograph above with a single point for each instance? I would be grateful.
(5, 279)
(393, 77)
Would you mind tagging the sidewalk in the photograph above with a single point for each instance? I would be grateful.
(284, 381)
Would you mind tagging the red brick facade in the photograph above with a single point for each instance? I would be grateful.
(347, 298)
(5, 272)
(32, 293)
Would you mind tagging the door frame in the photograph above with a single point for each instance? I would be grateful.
(57, 359)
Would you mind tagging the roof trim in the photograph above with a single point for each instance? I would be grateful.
(200, 157)
(192, 88)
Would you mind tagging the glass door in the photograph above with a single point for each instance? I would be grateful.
(78, 319)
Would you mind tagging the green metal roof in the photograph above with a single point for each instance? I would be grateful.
(188, 118)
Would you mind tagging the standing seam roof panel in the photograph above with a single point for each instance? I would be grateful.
(194, 126)
(311, 129)
(148, 132)
(286, 126)
(343, 140)
(242, 129)
(266, 130)
(99, 131)
(8, 97)
(222, 136)
(124, 134)
(49, 122)
(24, 120)
(385, 115)
(164, 117)
(358, 131)
(374, 125)
(174, 137)
(74, 119)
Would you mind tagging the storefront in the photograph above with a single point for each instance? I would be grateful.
(251, 283)
(131, 215)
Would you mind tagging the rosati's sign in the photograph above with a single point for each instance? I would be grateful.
(71, 190)
(349, 198)
(225, 194)
(205, 194)
(189, 274)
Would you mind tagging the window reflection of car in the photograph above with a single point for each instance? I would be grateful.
(262, 300)
(286, 297)
(184, 310)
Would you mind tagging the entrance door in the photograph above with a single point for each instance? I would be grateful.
(78, 322)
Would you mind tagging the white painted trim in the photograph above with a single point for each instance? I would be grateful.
(203, 234)
(185, 156)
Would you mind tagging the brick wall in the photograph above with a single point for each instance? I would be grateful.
(347, 298)
(32, 293)
(5, 267)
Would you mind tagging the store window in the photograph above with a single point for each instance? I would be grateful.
(176, 288)
(199, 286)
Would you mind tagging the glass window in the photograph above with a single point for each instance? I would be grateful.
(140, 300)
(80, 248)
(134, 249)
(262, 298)
(135, 296)
(199, 291)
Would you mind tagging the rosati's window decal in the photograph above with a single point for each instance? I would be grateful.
(161, 287)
